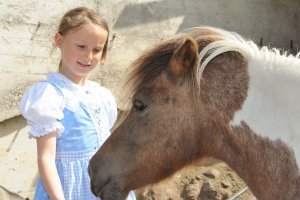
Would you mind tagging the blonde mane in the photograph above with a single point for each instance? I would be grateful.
(231, 41)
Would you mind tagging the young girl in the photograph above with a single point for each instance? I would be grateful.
(70, 116)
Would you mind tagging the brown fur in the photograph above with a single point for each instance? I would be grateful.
(170, 125)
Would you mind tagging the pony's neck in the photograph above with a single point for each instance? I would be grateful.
(267, 167)
(272, 107)
(258, 126)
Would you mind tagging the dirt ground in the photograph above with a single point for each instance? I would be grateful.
(213, 181)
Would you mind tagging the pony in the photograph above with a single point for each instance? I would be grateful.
(206, 93)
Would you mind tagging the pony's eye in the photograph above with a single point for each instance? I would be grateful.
(139, 106)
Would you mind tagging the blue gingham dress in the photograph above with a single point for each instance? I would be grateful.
(82, 117)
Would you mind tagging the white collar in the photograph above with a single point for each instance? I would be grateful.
(86, 88)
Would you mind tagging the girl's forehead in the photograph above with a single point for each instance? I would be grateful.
(89, 32)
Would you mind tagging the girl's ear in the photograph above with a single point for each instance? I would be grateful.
(58, 39)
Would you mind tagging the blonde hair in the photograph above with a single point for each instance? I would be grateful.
(76, 17)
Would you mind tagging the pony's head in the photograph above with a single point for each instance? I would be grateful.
(174, 109)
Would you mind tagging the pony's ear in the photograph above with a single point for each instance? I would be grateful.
(184, 57)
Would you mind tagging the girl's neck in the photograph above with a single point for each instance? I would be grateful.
(78, 80)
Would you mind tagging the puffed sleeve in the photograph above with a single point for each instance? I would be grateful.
(42, 106)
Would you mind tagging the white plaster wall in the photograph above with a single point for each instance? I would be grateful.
(27, 28)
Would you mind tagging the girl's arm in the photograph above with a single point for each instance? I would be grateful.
(46, 150)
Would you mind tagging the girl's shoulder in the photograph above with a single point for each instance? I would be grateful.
(42, 89)
(42, 106)
(42, 95)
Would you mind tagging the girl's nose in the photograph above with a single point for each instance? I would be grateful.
(89, 55)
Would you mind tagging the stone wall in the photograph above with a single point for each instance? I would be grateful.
(27, 29)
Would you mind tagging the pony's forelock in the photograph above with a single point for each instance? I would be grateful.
(150, 64)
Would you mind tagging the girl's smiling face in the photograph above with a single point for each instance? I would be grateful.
(81, 51)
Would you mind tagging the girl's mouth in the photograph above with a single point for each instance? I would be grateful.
(83, 65)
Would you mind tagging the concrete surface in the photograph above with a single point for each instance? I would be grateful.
(18, 169)
(27, 28)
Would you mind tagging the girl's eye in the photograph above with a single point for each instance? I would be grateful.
(81, 46)
(139, 106)
(97, 50)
